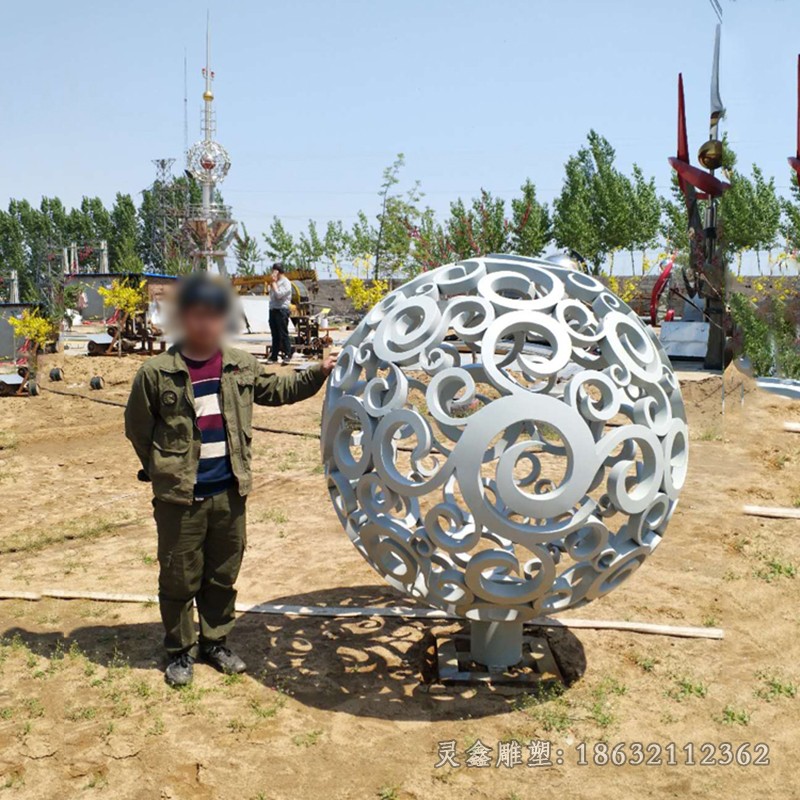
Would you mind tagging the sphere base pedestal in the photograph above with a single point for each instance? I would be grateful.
(496, 653)
(496, 645)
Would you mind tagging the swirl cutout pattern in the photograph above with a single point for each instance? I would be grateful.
(503, 437)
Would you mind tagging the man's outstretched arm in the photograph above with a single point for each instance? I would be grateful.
(272, 389)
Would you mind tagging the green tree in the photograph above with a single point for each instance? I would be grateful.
(482, 228)
(248, 255)
(751, 214)
(432, 245)
(100, 226)
(790, 226)
(530, 223)
(12, 253)
(645, 214)
(389, 241)
(280, 244)
(592, 214)
(123, 243)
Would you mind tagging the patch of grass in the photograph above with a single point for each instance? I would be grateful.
(774, 687)
(774, 567)
(81, 713)
(739, 544)
(142, 688)
(710, 621)
(157, 728)
(547, 706)
(148, 560)
(600, 710)
(600, 714)
(276, 515)
(191, 696)
(733, 716)
(98, 780)
(236, 726)
(645, 663)
(318, 469)
(6, 713)
(611, 685)
(13, 780)
(388, 793)
(308, 739)
(685, 688)
(288, 461)
(8, 440)
(777, 460)
(709, 435)
(33, 707)
(232, 680)
(267, 712)
(32, 539)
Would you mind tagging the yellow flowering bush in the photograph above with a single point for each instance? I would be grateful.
(33, 327)
(627, 291)
(362, 295)
(126, 299)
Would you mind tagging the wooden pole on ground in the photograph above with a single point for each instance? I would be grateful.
(774, 512)
(401, 612)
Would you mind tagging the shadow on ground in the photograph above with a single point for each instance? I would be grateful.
(374, 667)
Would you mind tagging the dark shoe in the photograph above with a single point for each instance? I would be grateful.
(179, 671)
(223, 659)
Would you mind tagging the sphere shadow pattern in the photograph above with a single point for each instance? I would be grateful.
(503, 438)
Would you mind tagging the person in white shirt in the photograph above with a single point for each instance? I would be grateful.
(280, 297)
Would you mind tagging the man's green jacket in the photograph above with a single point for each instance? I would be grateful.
(160, 416)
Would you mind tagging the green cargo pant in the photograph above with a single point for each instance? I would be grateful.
(200, 550)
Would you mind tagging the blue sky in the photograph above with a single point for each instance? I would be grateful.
(315, 98)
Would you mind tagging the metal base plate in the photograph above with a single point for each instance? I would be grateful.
(455, 665)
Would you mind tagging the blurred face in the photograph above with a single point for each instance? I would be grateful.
(203, 328)
(276, 274)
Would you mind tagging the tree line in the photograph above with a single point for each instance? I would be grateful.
(144, 237)
(602, 212)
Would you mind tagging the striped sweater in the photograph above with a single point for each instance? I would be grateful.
(214, 472)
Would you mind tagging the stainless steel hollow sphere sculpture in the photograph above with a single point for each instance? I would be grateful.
(504, 438)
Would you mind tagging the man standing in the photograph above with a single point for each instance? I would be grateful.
(189, 418)
(280, 298)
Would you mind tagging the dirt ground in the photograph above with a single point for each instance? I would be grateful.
(341, 708)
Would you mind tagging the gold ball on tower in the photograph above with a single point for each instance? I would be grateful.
(710, 154)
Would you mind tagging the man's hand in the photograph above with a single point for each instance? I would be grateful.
(328, 363)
